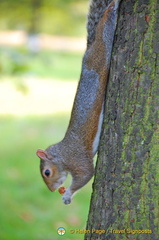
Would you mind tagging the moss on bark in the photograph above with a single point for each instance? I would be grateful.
(126, 187)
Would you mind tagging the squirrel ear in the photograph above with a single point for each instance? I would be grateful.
(42, 154)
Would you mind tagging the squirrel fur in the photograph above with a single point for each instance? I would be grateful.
(74, 154)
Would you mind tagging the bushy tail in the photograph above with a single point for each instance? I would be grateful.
(97, 8)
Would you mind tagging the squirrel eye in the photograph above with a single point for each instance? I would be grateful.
(47, 172)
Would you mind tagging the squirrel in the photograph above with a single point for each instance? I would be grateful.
(74, 154)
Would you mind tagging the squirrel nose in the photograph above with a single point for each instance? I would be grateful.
(52, 189)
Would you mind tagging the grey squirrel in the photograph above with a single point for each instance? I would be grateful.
(74, 154)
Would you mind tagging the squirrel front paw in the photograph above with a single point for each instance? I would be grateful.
(67, 197)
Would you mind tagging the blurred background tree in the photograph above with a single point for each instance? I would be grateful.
(58, 17)
(31, 19)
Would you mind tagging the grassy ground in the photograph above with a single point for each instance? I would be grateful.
(59, 65)
(28, 210)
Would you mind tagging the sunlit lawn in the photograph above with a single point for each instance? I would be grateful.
(28, 210)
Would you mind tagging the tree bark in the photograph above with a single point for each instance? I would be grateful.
(125, 199)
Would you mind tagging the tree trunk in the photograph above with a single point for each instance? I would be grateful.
(125, 199)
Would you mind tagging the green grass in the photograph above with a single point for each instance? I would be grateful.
(46, 63)
(28, 210)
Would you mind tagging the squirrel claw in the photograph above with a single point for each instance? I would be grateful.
(67, 201)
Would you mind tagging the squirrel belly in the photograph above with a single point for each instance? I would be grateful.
(74, 154)
(97, 136)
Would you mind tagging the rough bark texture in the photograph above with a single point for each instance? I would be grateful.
(126, 187)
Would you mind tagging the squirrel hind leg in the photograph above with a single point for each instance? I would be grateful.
(96, 11)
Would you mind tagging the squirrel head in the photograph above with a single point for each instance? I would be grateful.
(50, 172)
